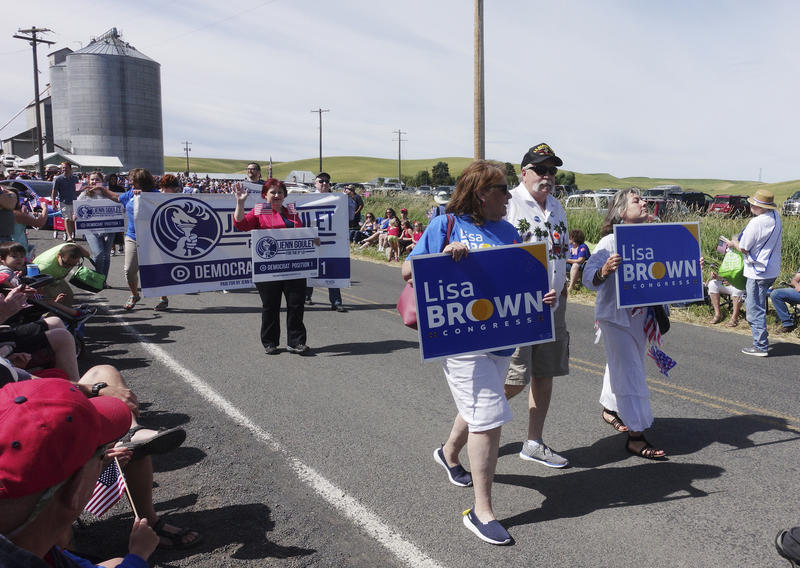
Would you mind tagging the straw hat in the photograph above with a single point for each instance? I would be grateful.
(764, 199)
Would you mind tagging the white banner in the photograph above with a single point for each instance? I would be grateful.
(187, 242)
(284, 254)
(98, 216)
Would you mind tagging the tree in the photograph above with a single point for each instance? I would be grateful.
(565, 178)
(423, 178)
(441, 174)
(409, 181)
(380, 181)
(511, 175)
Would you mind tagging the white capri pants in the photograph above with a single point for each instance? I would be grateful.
(476, 383)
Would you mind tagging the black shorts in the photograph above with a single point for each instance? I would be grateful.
(29, 337)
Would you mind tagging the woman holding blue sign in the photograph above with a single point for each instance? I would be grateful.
(99, 243)
(625, 396)
(273, 215)
(475, 220)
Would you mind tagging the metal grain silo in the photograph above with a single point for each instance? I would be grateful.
(112, 99)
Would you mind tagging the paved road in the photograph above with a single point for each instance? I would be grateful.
(326, 460)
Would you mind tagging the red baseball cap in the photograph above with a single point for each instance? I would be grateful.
(49, 430)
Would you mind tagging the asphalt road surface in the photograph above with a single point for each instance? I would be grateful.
(327, 460)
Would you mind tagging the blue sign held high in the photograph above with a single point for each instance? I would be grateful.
(660, 264)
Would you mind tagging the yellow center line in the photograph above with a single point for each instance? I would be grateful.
(724, 403)
(364, 301)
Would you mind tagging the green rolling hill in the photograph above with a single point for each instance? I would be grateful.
(361, 168)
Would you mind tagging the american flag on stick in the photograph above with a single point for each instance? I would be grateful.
(262, 209)
(108, 490)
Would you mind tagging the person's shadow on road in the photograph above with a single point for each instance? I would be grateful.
(366, 347)
(578, 493)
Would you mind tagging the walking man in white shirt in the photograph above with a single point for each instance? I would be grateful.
(539, 217)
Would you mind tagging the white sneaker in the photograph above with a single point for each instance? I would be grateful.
(543, 454)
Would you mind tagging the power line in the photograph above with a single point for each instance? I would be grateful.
(35, 40)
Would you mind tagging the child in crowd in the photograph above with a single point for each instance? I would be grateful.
(12, 265)
(393, 240)
(415, 236)
(578, 255)
(406, 235)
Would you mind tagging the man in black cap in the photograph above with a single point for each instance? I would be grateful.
(539, 217)
(322, 183)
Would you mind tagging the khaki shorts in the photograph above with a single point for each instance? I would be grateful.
(544, 359)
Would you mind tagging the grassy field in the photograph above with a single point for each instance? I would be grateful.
(360, 168)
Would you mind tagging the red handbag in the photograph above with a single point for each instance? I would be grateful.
(407, 304)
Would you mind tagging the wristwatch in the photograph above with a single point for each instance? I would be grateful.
(97, 387)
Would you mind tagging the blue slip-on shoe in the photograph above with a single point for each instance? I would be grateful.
(457, 474)
(492, 532)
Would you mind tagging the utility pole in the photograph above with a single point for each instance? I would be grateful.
(33, 39)
(479, 120)
(320, 111)
(399, 141)
(187, 148)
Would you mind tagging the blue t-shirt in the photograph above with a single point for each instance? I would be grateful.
(64, 188)
(127, 200)
(491, 233)
(583, 251)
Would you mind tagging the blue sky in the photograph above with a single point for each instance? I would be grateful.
(656, 88)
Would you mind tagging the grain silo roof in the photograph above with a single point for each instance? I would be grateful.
(110, 43)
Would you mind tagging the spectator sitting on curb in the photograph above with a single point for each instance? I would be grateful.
(53, 442)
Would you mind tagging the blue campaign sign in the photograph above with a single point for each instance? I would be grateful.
(477, 304)
(660, 264)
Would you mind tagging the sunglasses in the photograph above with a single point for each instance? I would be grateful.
(501, 186)
(321, 181)
(541, 170)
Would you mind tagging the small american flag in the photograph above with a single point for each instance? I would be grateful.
(292, 209)
(108, 490)
(262, 209)
(664, 361)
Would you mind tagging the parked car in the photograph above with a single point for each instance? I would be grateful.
(730, 206)
(696, 200)
(607, 191)
(424, 190)
(667, 209)
(662, 191)
(10, 160)
(448, 188)
(593, 201)
(792, 205)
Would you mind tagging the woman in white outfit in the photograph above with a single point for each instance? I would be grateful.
(625, 396)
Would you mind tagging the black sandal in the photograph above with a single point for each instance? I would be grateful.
(164, 441)
(647, 451)
(616, 423)
(175, 538)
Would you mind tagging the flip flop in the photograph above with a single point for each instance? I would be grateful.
(164, 441)
(175, 539)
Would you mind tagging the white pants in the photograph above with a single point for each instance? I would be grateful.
(476, 383)
(624, 384)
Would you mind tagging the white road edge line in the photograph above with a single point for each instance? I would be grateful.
(404, 550)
